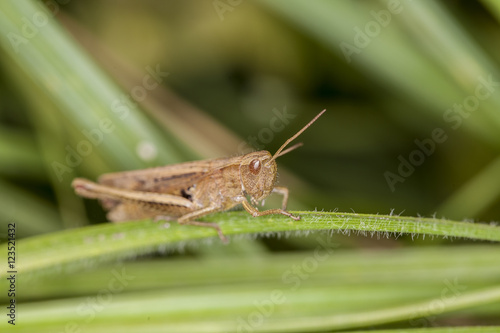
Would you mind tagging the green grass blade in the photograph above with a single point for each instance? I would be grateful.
(476, 195)
(471, 265)
(472, 329)
(41, 217)
(412, 285)
(78, 88)
(19, 155)
(421, 33)
(111, 241)
(194, 311)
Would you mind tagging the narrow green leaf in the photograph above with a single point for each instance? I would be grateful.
(108, 241)
(330, 288)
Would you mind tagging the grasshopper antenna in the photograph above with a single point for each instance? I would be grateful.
(280, 151)
(289, 149)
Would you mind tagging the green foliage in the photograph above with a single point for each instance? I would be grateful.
(70, 108)
(106, 242)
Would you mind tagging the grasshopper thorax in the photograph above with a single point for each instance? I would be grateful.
(258, 174)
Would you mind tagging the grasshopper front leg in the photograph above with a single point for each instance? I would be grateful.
(255, 212)
(284, 192)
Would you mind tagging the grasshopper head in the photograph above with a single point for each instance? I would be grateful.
(258, 169)
(258, 174)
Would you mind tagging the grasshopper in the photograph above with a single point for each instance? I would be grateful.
(188, 191)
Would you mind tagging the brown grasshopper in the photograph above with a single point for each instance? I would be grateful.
(190, 190)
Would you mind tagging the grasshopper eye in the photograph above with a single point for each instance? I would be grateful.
(255, 166)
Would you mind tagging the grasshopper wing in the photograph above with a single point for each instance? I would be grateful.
(169, 179)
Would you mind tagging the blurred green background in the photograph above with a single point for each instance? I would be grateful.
(390, 74)
(223, 69)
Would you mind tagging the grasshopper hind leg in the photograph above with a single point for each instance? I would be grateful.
(123, 212)
(209, 225)
(188, 219)
(166, 218)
